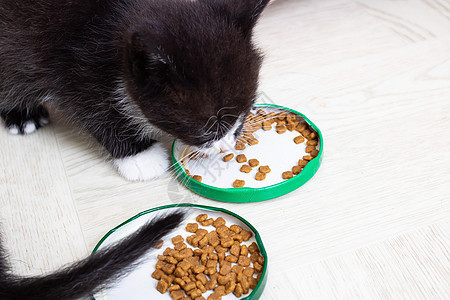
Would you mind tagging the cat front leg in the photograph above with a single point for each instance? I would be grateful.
(25, 120)
(145, 165)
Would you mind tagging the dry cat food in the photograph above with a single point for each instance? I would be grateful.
(280, 121)
(219, 262)
(238, 183)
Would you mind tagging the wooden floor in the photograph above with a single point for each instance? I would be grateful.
(373, 223)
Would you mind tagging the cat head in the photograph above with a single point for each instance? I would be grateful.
(192, 68)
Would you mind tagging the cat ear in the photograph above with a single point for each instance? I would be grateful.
(146, 62)
(243, 13)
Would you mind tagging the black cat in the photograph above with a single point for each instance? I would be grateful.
(125, 70)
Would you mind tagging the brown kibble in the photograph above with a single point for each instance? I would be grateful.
(225, 268)
(201, 232)
(252, 142)
(246, 169)
(177, 239)
(246, 235)
(180, 246)
(238, 290)
(207, 222)
(287, 175)
(192, 227)
(253, 162)
(264, 169)
(222, 280)
(168, 268)
(260, 176)
(230, 286)
(189, 286)
(291, 126)
(238, 183)
(266, 125)
(220, 290)
(291, 117)
(211, 263)
(157, 274)
(280, 122)
(201, 218)
(158, 244)
(228, 157)
(306, 133)
(314, 153)
(226, 242)
(313, 135)
(162, 286)
(244, 250)
(202, 278)
(301, 127)
(219, 222)
(235, 249)
(231, 258)
(175, 287)
(299, 139)
(244, 261)
(177, 295)
(296, 170)
(241, 158)
(302, 163)
(249, 271)
(312, 142)
(258, 267)
(239, 145)
(200, 286)
(179, 272)
(214, 296)
(237, 269)
(282, 115)
(253, 282)
(197, 177)
(281, 129)
(261, 112)
(309, 149)
(236, 228)
(308, 157)
(253, 248)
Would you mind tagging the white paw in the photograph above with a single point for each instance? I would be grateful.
(145, 165)
(14, 129)
(29, 127)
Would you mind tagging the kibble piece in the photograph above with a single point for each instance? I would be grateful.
(158, 244)
(197, 177)
(253, 162)
(202, 278)
(246, 235)
(291, 126)
(302, 163)
(261, 112)
(246, 169)
(213, 238)
(239, 145)
(287, 175)
(280, 122)
(175, 287)
(241, 158)
(308, 157)
(249, 271)
(282, 115)
(238, 290)
(177, 295)
(231, 258)
(177, 239)
(162, 286)
(192, 227)
(226, 242)
(244, 250)
(214, 296)
(225, 268)
(207, 222)
(296, 170)
(168, 268)
(258, 267)
(313, 135)
(230, 286)
(228, 157)
(281, 129)
(157, 274)
(236, 228)
(195, 293)
(219, 222)
(306, 133)
(253, 248)
(238, 183)
(235, 249)
(314, 153)
(299, 139)
(301, 127)
(309, 149)
(180, 246)
(202, 232)
(260, 176)
(312, 143)
(252, 142)
(220, 290)
(201, 218)
(244, 261)
(264, 169)
(211, 263)
(200, 286)
(266, 125)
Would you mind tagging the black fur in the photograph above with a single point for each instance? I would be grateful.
(91, 274)
(177, 62)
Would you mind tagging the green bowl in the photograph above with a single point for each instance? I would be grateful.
(249, 194)
(196, 209)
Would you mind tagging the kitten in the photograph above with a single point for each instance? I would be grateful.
(127, 70)
(124, 71)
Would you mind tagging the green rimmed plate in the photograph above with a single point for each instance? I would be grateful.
(139, 285)
(276, 150)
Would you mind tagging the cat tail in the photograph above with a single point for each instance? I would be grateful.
(90, 275)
